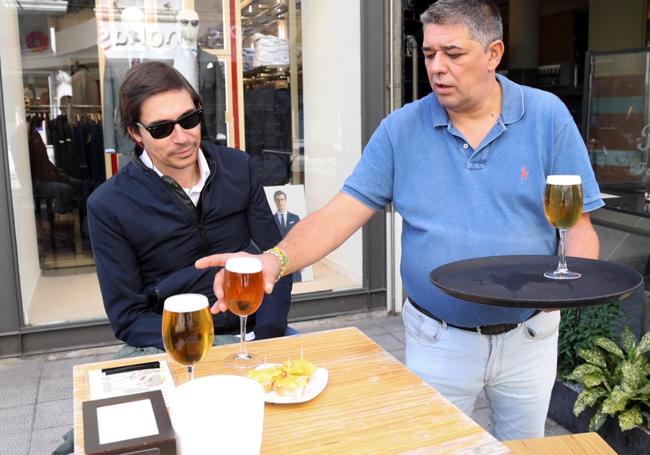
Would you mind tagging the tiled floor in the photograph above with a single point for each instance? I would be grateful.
(36, 391)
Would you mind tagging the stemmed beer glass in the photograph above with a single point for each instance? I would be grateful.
(243, 291)
(187, 329)
(562, 207)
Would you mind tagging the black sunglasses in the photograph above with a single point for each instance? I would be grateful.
(194, 23)
(163, 129)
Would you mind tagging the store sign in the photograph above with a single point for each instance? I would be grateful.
(119, 39)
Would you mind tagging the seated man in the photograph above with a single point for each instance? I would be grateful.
(176, 201)
(48, 181)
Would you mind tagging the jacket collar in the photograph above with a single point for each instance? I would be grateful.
(211, 165)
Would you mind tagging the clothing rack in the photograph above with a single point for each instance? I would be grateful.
(77, 113)
(86, 106)
(74, 106)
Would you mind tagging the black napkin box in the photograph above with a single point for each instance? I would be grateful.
(109, 427)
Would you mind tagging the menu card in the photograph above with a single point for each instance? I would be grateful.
(130, 379)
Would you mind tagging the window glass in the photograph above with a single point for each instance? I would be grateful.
(618, 129)
(302, 108)
(275, 81)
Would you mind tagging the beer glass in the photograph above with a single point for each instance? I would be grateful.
(563, 208)
(187, 329)
(243, 291)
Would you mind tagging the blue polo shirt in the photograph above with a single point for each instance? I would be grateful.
(458, 202)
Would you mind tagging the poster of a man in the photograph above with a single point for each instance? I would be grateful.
(283, 218)
(285, 221)
(287, 203)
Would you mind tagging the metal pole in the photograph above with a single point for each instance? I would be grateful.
(293, 88)
(412, 51)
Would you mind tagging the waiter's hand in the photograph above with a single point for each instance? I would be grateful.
(270, 270)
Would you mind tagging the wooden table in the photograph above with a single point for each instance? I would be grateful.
(372, 403)
(574, 444)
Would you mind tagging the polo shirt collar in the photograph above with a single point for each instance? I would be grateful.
(512, 105)
(440, 117)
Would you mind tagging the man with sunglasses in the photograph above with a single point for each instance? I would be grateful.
(177, 201)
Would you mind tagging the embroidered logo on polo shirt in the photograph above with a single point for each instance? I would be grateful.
(524, 173)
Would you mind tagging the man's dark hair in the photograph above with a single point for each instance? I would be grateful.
(279, 193)
(145, 80)
(481, 17)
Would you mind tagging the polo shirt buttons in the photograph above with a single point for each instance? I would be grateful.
(465, 146)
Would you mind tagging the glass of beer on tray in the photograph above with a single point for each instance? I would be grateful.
(563, 207)
(243, 291)
(187, 329)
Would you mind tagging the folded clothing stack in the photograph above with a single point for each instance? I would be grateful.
(270, 50)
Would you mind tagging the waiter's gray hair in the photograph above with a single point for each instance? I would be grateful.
(481, 17)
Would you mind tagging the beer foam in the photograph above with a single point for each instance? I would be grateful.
(563, 180)
(244, 265)
(186, 303)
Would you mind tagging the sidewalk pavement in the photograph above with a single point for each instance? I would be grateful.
(36, 391)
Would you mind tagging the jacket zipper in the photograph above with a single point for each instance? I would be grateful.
(177, 191)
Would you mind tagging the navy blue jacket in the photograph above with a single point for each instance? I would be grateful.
(146, 234)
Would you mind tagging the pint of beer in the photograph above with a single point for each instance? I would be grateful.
(187, 328)
(243, 287)
(563, 200)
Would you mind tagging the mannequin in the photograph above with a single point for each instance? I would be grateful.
(185, 59)
(133, 22)
(206, 74)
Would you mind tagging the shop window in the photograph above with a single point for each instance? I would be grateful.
(276, 82)
(618, 127)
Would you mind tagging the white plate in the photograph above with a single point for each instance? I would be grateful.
(314, 387)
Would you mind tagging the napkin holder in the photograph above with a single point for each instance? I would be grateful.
(102, 433)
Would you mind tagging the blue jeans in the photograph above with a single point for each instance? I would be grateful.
(516, 369)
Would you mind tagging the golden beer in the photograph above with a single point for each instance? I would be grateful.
(243, 291)
(243, 287)
(563, 201)
(187, 328)
(562, 208)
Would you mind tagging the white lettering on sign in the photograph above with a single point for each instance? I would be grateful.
(116, 39)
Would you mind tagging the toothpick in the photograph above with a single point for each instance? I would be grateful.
(265, 358)
(301, 352)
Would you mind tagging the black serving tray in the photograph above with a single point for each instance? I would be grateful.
(518, 281)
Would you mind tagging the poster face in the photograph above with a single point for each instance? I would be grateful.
(287, 203)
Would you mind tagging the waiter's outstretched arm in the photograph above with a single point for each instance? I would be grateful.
(308, 241)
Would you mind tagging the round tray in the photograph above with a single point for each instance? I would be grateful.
(518, 281)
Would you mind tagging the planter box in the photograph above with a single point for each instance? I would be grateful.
(632, 442)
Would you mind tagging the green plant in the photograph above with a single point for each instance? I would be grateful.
(615, 380)
(579, 328)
